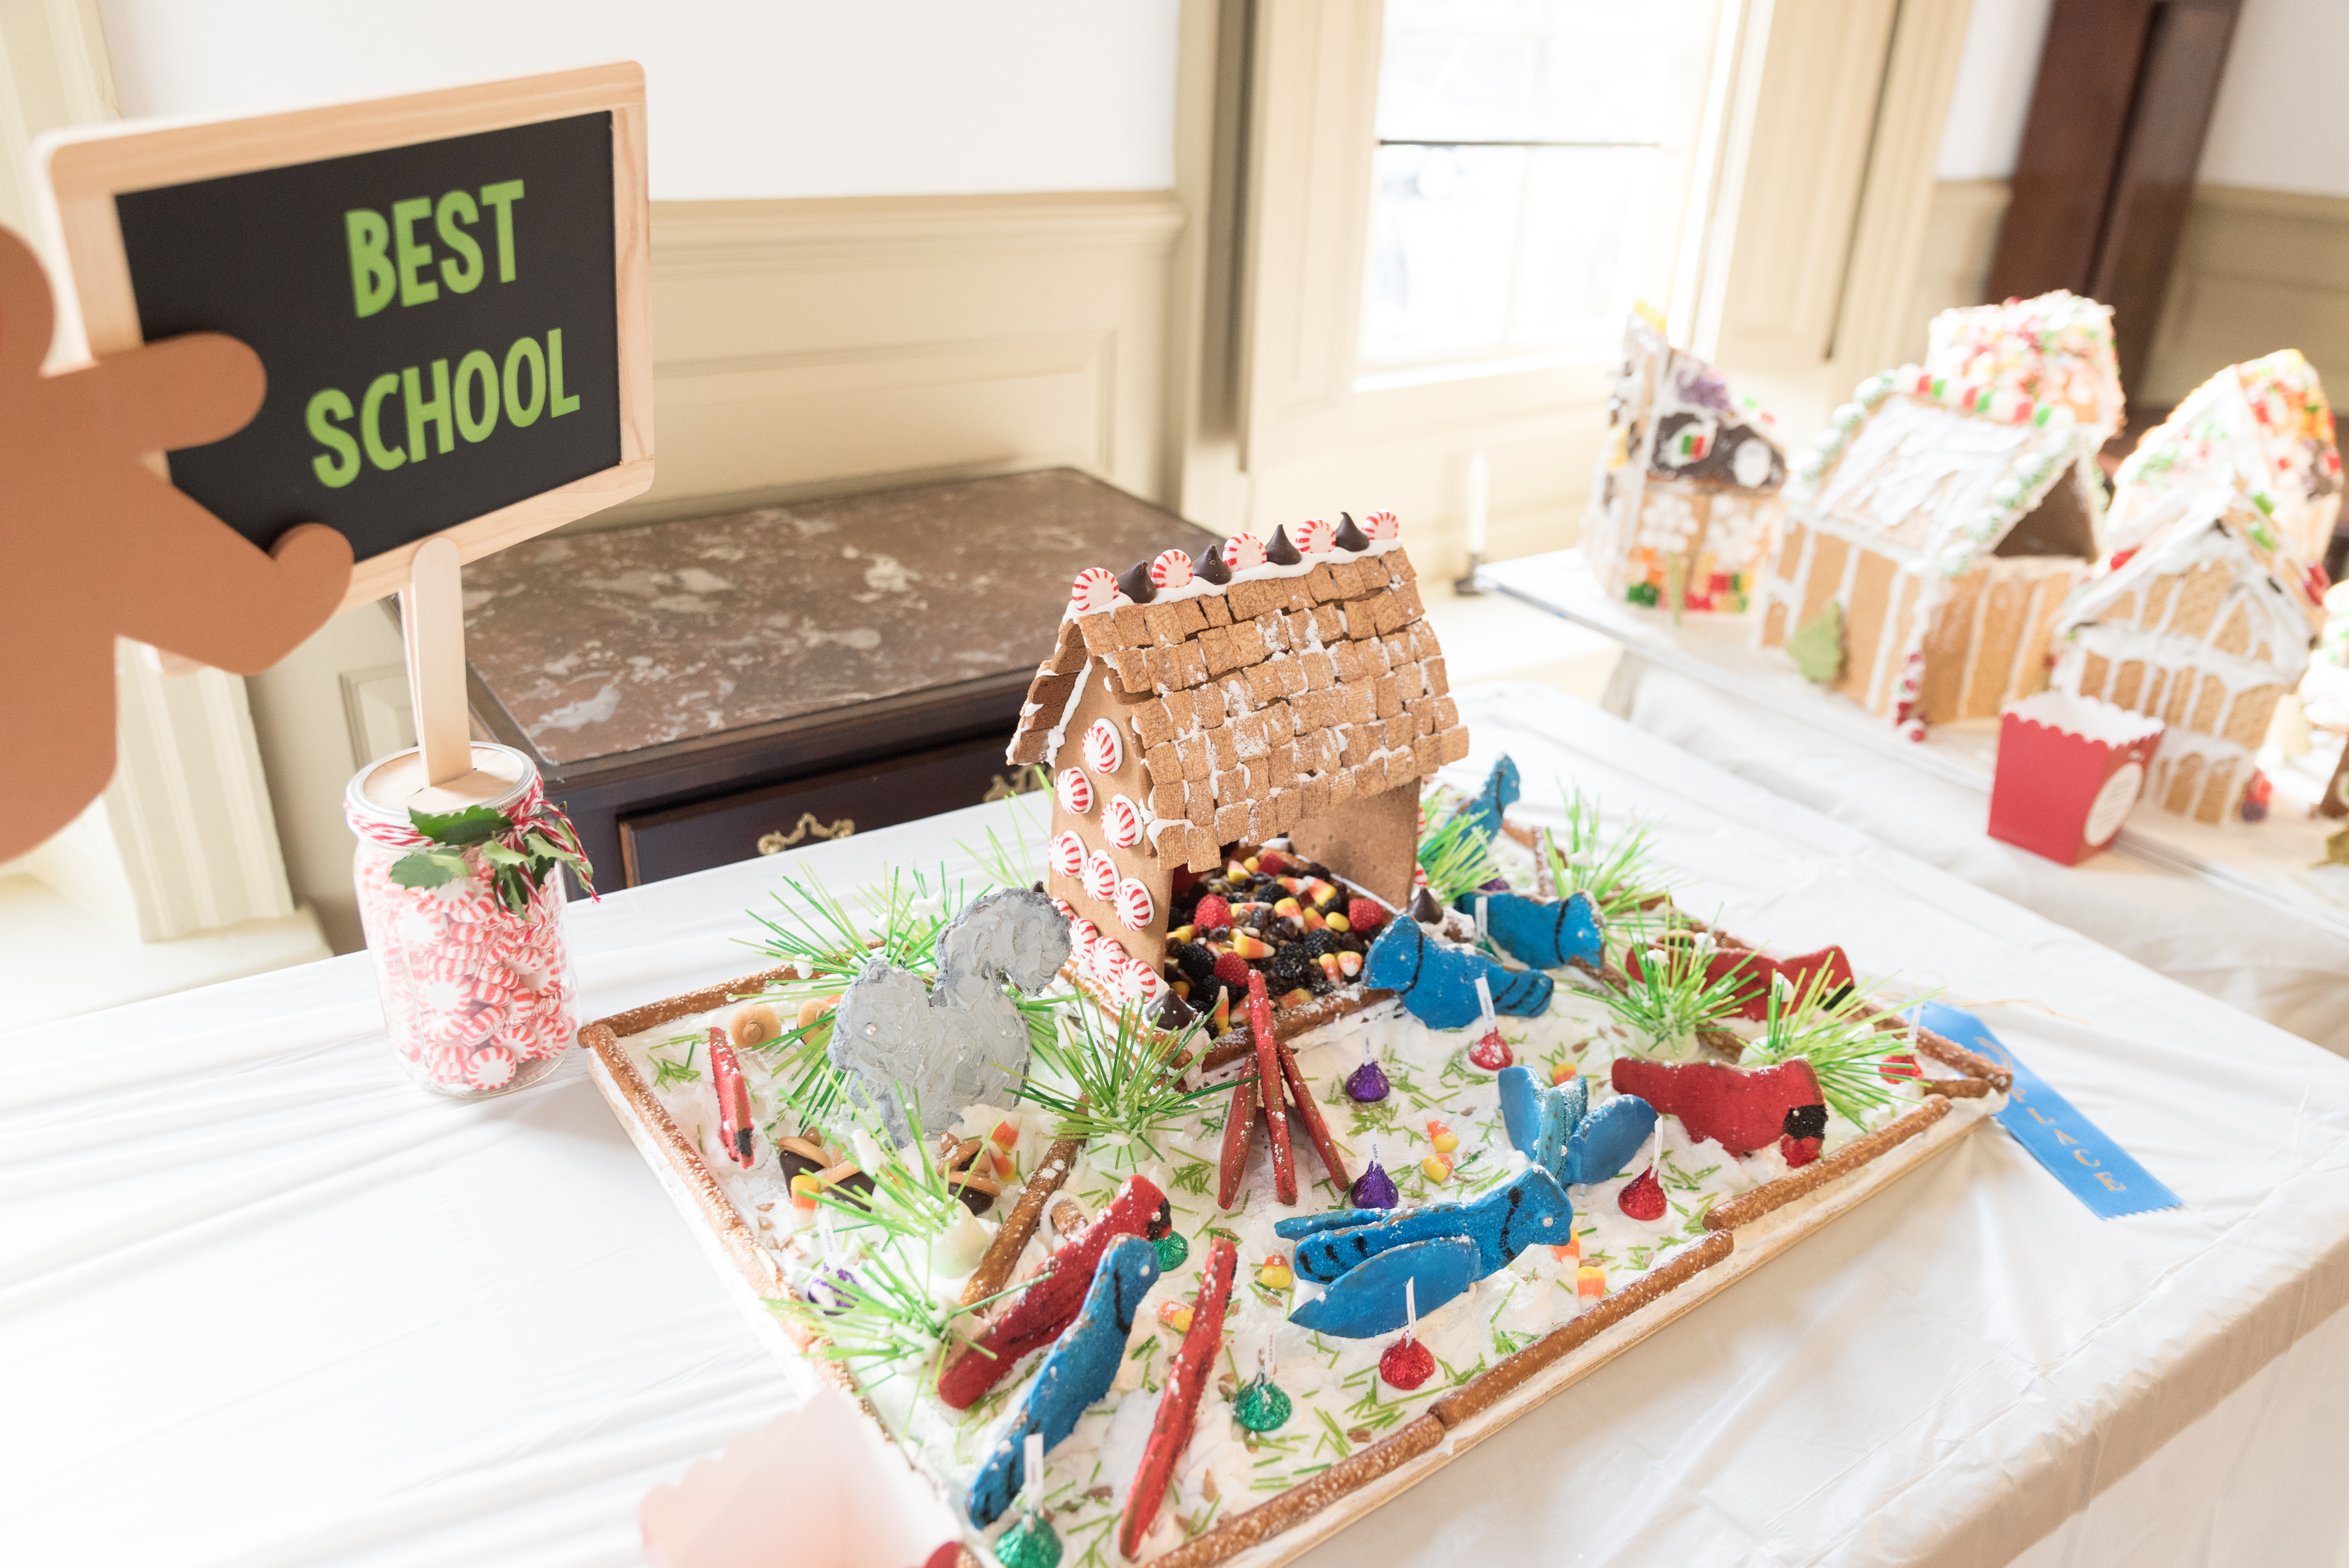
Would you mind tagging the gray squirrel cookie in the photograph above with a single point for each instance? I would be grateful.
(960, 1040)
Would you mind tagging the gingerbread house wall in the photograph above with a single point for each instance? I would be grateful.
(1140, 861)
(1987, 643)
(1684, 521)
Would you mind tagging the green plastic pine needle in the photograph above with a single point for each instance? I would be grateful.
(1115, 1083)
(1671, 996)
(1457, 853)
(1828, 1026)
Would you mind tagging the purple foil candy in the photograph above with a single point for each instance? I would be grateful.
(1374, 1189)
(1367, 1084)
(836, 1286)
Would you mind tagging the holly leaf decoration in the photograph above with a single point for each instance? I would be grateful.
(429, 867)
(497, 853)
(460, 829)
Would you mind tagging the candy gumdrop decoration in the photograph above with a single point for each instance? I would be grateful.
(1172, 1251)
(1374, 1189)
(1262, 1406)
(1031, 1541)
(1406, 1364)
(1643, 1197)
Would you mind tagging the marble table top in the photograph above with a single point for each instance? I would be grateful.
(604, 643)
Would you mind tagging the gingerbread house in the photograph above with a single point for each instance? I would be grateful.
(1687, 487)
(2051, 350)
(2204, 625)
(2264, 425)
(1934, 532)
(1189, 709)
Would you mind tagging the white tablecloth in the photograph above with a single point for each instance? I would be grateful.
(263, 1302)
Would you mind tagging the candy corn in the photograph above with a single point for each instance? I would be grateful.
(1590, 1283)
(1436, 1169)
(1176, 1315)
(1443, 1139)
(1276, 1274)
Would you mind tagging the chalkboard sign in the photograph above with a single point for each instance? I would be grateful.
(447, 292)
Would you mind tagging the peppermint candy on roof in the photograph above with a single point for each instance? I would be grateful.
(1101, 875)
(1242, 551)
(1316, 535)
(1122, 820)
(1094, 589)
(1073, 791)
(1172, 569)
(1068, 854)
(1104, 750)
(1382, 525)
(1134, 908)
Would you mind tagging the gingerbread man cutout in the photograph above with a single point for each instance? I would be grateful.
(94, 546)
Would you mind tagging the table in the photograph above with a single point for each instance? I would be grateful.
(264, 1303)
(2234, 911)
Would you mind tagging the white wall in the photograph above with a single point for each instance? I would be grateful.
(2282, 120)
(1992, 95)
(748, 97)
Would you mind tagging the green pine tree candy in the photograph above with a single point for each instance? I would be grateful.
(1031, 1543)
(1817, 647)
(1261, 1407)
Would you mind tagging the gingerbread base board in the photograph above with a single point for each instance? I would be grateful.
(1388, 1468)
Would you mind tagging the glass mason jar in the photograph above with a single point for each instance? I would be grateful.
(476, 997)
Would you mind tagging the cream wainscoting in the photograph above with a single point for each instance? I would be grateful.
(806, 347)
(2258, 271)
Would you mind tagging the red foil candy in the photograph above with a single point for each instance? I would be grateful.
(1492, 1053)
(1642, 1197)
(1406, 1364)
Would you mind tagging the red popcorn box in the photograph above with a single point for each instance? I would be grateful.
(2069, 768)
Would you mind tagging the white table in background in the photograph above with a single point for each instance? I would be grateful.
(264, 1303)
(2234, 911)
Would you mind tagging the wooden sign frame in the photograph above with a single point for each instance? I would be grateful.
(83, 170)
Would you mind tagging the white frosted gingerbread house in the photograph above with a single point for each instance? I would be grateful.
(2052, 349)
(1933, 533)
(2264, 425)
(1192, 709)
(1686, 490)
(2204, 625)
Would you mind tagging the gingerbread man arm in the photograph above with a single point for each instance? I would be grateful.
(185, 392)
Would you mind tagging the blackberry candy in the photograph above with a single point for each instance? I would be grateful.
(1197, 961)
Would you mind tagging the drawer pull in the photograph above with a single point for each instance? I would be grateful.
(776, 843)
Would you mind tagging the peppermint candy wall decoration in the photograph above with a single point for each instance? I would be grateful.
(1103, 750)
(1135, 909)
(1122, 820)
(1073, 791)
(1101, 875)
(1068, 853)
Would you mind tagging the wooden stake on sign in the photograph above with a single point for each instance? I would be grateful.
(432, 624)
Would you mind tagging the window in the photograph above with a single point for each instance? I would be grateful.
(1531, 175)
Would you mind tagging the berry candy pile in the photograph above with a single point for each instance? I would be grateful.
(1275, 913)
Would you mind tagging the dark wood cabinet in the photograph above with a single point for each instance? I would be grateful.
(700, 691)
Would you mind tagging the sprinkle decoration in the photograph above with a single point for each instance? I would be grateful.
(1068, 852)
(1122, 820)
(1103, 750)
(1315, 535)
(1094, 591)
(1242, 551)
(1101, 875)
(1383, 525)
(1172, 569)
(1073, 791)
(1406, 1364)
(1134, 908)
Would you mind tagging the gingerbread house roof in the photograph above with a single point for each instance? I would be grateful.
(1939, 475)
(1674, 414)
(2212, 570)
(1306, 678)
(2266, 425)
(2053, 348)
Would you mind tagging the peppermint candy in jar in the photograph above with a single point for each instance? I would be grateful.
(1123, 821)
(1383, 525)
(1073, 791)
(1172, 569)
(1135, 909)
(1315, 535)
(1101, 875)
(1103, 750)
(1094, 590)
(1242, 551)
(1068, 853)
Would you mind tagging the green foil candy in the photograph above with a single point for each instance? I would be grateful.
(1261, 1407)
(1172, 1251)
(1031, 1543)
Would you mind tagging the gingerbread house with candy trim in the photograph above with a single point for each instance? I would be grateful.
(1686, 495)
(1936, 529)
(2265, 425)
(2204, 626)
(1189, 711)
